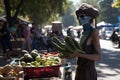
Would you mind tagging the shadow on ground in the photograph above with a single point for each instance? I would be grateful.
(110, 62)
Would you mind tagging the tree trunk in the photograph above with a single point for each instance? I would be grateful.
(12, 19)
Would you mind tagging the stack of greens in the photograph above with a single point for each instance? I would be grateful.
(69, 46)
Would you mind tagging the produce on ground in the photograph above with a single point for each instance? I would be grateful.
(9, 72)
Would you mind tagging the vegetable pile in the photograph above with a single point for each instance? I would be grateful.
(36, 59)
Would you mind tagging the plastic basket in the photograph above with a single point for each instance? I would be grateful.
(41, 72)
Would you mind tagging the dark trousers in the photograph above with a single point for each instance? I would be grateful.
(6, 44)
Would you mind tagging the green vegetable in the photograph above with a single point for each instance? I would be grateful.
(59, 48)
(76, 43)
(69, 43)
(58, 41)
(27, 58)
(73, 45)
(69, 46)
(34, 53)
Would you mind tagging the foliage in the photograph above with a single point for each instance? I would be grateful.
(42, 10)
(116, 4)
(1, 7)
(108, 13)
(39, 11)
(68, 19)
(91, 2)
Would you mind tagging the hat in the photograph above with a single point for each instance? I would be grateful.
(88, 10)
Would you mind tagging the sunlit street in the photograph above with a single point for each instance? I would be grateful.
(109, 67)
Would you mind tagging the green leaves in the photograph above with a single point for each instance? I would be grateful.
(116, 4)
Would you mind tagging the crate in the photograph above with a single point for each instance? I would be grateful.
(41, 72)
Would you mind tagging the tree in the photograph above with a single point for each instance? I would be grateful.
(38, 11)
(68, 19)
(10, 16)
(116, 4)
(43, 10)
(91, 2)
(1, 7)
(108, 13)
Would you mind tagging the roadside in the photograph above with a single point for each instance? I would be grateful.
(109, 67)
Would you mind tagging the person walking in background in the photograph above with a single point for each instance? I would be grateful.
(86, 15)
(33, 36)
(69, 31)
(20, 31)
(114, 38)
(26, 35)
(37, 37)
(6, 40)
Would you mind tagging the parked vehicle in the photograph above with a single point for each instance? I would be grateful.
(108, 34)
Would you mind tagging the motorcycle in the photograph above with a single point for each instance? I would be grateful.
(68, 71)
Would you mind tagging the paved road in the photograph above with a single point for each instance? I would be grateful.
(109, 67)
